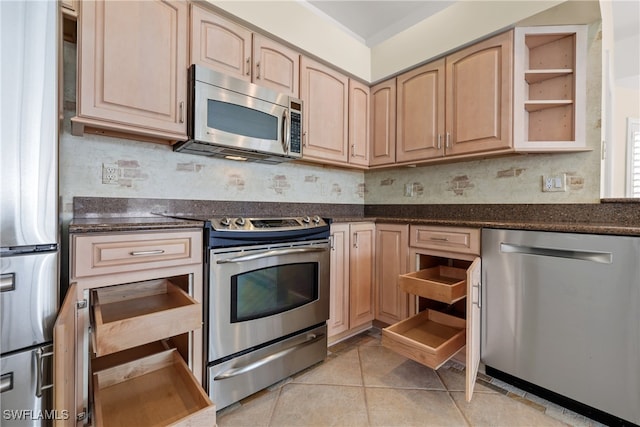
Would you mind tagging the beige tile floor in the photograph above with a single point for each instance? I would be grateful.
(361, 383)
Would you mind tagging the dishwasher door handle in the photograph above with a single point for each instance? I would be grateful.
(599, 257)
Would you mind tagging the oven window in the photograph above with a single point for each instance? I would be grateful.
(239, 120)
(272, 290)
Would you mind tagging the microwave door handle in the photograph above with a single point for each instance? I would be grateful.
(286, 137)
(271, 253)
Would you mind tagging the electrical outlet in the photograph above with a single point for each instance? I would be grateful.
(110, 173)
(554, 183)
(408, 190)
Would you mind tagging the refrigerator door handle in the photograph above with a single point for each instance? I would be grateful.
(7, 282)
(40, 356)
(6, 382)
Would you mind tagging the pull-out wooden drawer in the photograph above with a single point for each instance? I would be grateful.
(450, 239)
(440, 283)
(156, 390)
(133, 314)
(97, 254)
(430, 337)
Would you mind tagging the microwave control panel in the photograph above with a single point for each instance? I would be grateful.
(295, 131)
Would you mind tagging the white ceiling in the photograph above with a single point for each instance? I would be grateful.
(375, 21)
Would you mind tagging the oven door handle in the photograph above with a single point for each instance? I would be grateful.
(270, 253)
(234, 372)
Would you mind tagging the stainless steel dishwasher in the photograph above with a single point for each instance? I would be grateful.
(561, 318)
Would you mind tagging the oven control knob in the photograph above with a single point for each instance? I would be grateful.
(240, 222)
(225, 221)
(306, 219)
(316, 219)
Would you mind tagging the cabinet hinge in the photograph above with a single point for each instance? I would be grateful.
(81, 415)
(81, 304)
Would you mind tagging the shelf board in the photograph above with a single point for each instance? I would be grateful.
(532, 106)
(536, 40)
(537, 76)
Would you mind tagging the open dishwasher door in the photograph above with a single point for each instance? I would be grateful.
(561, 312)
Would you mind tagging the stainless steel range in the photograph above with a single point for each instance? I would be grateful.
(268, 302)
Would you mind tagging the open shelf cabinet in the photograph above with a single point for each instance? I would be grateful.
(550, 88)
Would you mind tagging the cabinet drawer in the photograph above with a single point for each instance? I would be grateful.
(451, 239)
(96, 254)
(440, 283)
(130, 315)
(430, 337)
(156, 390)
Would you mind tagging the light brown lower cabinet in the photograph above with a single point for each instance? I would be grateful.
(446, 300)
(392, 260)
(352, 278)
(128, 343)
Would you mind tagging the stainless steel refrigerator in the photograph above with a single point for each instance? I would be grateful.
(29, 233)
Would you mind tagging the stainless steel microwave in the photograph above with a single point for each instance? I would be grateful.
(238, 120)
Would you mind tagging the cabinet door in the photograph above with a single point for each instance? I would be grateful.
(383, 123)
(339, 284)
(358, 123)
(420, 113)
(220, 44)
(361, 260)
(392, 243)
(479, 96)
(133, 67)
(275, 66)
(473, 326)
(64, 359)
(325, 94)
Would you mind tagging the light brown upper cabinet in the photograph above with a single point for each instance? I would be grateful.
(383, 123)
(479, 97)
(325, 95)
(230, 48)
(550, 88)
(457, 105)
(421, 113)
(359, 116)
(132, 69)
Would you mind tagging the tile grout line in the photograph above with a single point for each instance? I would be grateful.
(364, 389)
(464, 417)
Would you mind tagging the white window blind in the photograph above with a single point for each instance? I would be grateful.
(633, 142)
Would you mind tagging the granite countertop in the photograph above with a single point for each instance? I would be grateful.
(612, 216)
(109, 224)
(565, 227)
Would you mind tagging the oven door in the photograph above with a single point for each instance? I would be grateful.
(259, 294)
